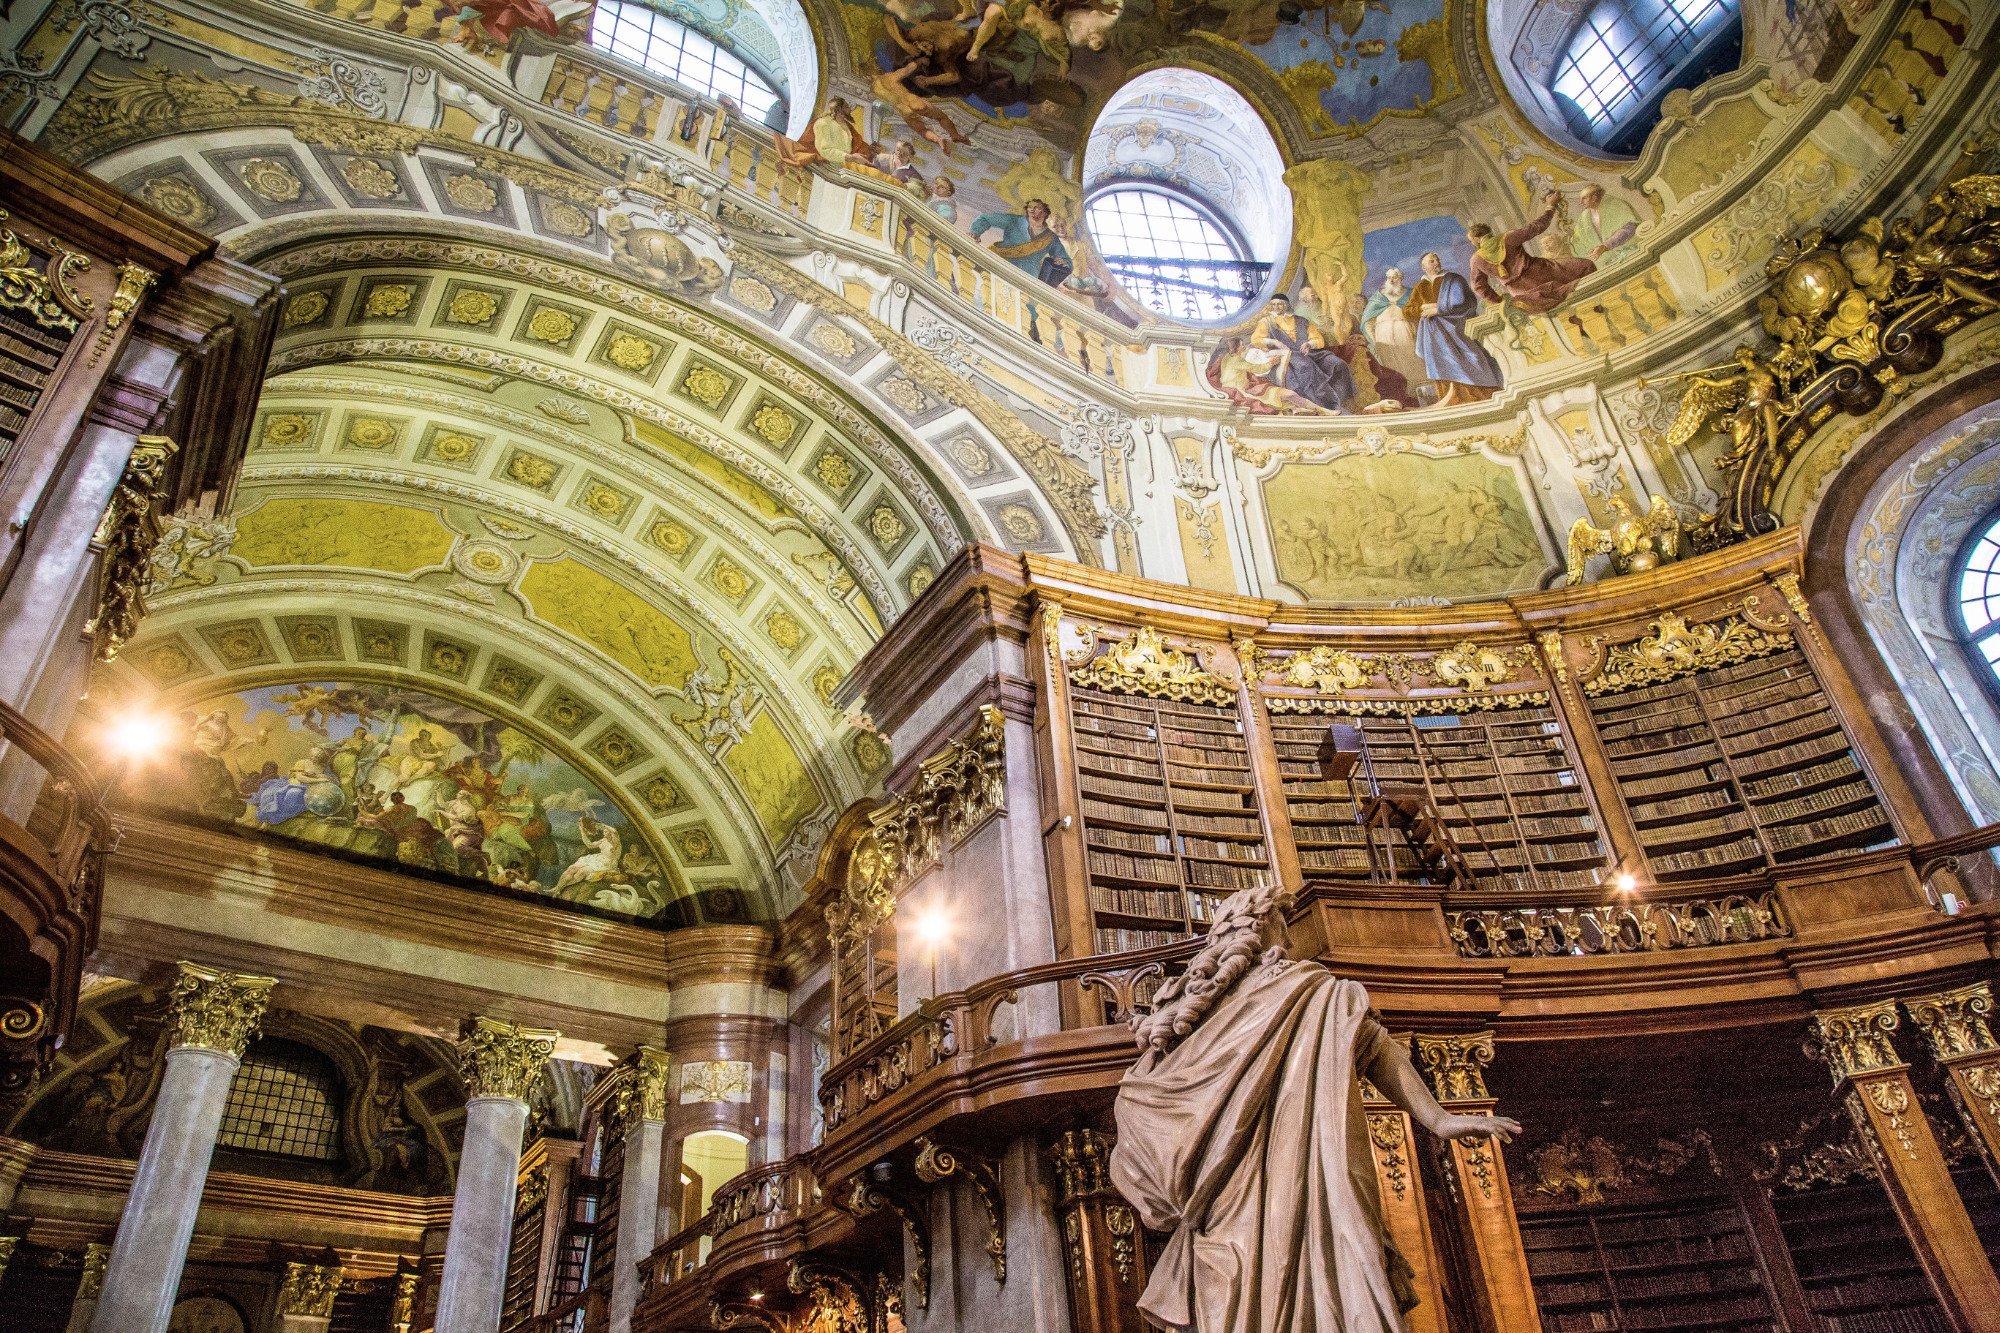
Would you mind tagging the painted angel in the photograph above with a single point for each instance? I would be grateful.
(1635, 542)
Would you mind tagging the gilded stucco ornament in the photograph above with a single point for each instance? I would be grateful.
(1675, 649)
(214, 1010)
(1855, 1040)
(35, 292)
(502, 1060)
(1329, 670)
(96, 1260)
(935, 1163)
(1583, 1169)
(642, 1092)
(1477, 666)
(1143, 663)
(128, 535)
(1456, 1065)
(309, 1290)
(1635, 542)
(1847, 319)
(954, 792)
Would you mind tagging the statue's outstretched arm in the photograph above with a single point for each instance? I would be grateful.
(1399, 1081)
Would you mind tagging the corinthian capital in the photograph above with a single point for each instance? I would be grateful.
(1956, 1022)
(1457, 1065)
(502, 1060)
(643, 1095)
(1855, 1040)
(216, 1011)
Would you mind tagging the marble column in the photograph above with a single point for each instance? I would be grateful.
(211, 1017)
(1957, 1025)
(305, 1302)
(1482, 1200)
(1874, 1084)
(500, 1063)
(642, 1113)
(95, 1257)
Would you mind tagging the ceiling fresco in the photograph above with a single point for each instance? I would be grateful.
(605, 422)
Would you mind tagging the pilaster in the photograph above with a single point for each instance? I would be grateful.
(1502, 1292)
(1100, 1232)
(1392, 1143)
(1957, 1026)
(1874, 1085)
(96, 1258)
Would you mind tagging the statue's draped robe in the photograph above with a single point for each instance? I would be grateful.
(1247, 1142)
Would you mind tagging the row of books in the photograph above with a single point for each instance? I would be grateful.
(1131, 814)
(1165, 905)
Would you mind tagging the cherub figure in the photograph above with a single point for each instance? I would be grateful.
(1635, 542)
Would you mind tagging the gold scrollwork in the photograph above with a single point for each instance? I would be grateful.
(1676, 648)
(127, 535)
(40, 294)
(1456, 1064)
(502, 1060)
(1584, 1169)
(1956, 1022)
(935, 1163)
(1477, 666)
(1143, 663)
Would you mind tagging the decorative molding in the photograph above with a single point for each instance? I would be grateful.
(1388, 1135)
(309, 1290)
(1582, 1170)
(1676, 648)
(1855, 1040)
(38, 294)
(1142, 663)
(1082, 1158)
(1955, 1023)
(1617, 927)
(1824, 1150)
(1454, 1065)
(213, 1010)
(96, 1261)
(955, 791)
(935, 1163)
(127, 535)
(642, 1089)
(1551, 644)
(863, 1198)
(502, 1060)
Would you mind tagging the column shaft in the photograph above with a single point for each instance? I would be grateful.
(1958, 1027)
(638, 1216)
(158, 1222)
(482, 1215)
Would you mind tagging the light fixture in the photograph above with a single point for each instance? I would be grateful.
(136, 736)
(933, 926)
(1626, 882)
(757, 1295)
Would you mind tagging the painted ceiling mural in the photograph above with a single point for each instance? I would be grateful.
(605, 420)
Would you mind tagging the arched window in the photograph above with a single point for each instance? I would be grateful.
(1979, 597)
(668, 47)
(1171, 255)
(1624, 56)
(284, 1100)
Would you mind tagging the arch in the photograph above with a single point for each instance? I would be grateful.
(1194, 139)
(1977, 574)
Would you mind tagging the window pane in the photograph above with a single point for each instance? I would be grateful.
(1979, 584)
(1169, 256)
(669, 48)
(284, 1099)
(1624, 50)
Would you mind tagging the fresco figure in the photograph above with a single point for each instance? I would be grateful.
(918, 112)
(1392, 338)
(1439, 305)
(1602, 232)
(943, 200)
(1243, 375)
(1503, 270)
(834, 137)
(1028, 242)
(1309, 368)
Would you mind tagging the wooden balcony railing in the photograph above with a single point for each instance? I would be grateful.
(763, 1199)
(54, 833)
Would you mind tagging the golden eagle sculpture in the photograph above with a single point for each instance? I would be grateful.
(1635, 542)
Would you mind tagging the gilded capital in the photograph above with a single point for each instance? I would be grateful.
(96, 1259)
(309, 1290)
(1955, 1022)
(642, 1091)
(1082, 1159)
(1456, 1065)
(1855, 1040)
(7, 1244)
(215, 1011)
(501, 1060)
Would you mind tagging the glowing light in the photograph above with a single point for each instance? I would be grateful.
(933, 926)
(1626, 881)
(136, 736)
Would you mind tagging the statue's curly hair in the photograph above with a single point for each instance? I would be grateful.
(1232, 949)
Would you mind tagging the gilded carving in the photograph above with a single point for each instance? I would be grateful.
(1676, 648)
(7, 1245)
(472, 307)
(309, 1290)
(1552, 651)
(1328, 670)
(1456, 1065)
(935, 1162)
(128, 535)
(550, 325)
(1855, 1040)
(470, 193)
(133, 284)
(629, 352)
(25, 288)
(1476, 666)
(1635, 542)
(1891, 1097)
(1788, 588)
(1122, 1225)
(774, 424)
(706, 385)
(642, 1093)
(500, 1059)
(371, 179)
(1825, 1150)
(1583, 1169)
(955, 790)
(1082, 1159)
(1957, 1022)
(96, 1259)
(1390, 1140)
(387, 300)
(1144, 664)
(214, 1010)
(270, 180)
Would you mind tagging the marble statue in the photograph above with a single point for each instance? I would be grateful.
(1241, 1134)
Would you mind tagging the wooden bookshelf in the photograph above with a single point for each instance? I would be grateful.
(1505, 783)
(1170, 815)
(29, 355)
(1735, 769)
(1855, 1262)
(1688, 1264)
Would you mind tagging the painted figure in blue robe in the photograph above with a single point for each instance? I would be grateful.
(1439, 305)
(1306, 364)
(1028, 242)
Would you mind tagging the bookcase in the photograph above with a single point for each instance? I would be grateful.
(865, 980)
(1731, 770)
(1504, 782)
(1170, 815)
(28, 358)
(1687, 1264)
(1854, 1261)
